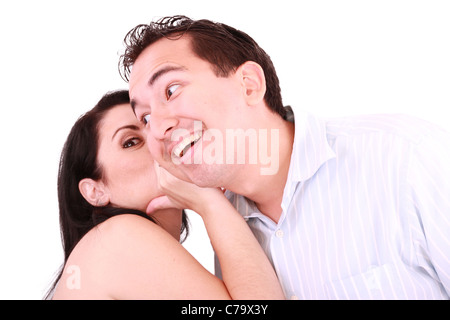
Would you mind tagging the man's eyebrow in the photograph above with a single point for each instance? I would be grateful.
(162, 72)
(131, 126)
(158, 74)
(133, 106)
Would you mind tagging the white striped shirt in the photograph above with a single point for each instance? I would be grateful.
(366, 210)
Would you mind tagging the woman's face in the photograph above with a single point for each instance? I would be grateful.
(128, 168)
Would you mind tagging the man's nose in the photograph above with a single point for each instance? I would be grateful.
(162, 125)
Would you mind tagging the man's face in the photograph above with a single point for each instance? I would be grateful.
(188, 109)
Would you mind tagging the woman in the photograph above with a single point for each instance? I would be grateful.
(114, 250)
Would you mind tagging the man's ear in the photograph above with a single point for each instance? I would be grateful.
(253, 81)
(94, 192)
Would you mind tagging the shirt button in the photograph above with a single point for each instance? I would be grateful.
(279, 233)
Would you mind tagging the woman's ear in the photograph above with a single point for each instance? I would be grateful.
(253, 81)
(94, 192)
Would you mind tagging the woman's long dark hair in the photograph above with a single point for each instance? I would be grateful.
(79, 161)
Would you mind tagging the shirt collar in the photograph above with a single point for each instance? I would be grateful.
(310, 149)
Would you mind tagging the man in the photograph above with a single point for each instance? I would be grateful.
(354, 208)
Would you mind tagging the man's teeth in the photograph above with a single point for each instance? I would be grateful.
(183, 147)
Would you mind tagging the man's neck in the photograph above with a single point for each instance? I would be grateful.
(266, 190)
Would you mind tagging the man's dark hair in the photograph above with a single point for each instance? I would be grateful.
(224, 47)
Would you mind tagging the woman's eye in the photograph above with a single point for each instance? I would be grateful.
(171, 90)
(146, 119)
(131, 143)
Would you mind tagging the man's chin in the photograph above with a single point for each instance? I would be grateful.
(202, 175)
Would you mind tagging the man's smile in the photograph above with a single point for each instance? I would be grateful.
(180, 149)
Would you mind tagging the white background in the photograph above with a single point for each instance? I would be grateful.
(58, 58)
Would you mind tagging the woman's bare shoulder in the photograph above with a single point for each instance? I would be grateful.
(116, 235)
(127, 238)
(109, 251)
(130, 257)
(129, 227)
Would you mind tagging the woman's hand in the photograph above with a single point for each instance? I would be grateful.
(181, 194)
(246, 271)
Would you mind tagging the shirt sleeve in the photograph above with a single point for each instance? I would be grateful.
(429, 181)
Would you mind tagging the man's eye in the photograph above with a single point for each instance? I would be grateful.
(171, 90)
(131, 143)
(146, 119)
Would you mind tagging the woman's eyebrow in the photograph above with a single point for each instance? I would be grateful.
(131, 126)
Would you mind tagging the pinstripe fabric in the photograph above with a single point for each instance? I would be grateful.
(366, 210)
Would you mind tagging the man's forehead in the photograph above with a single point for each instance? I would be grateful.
(163, 51)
